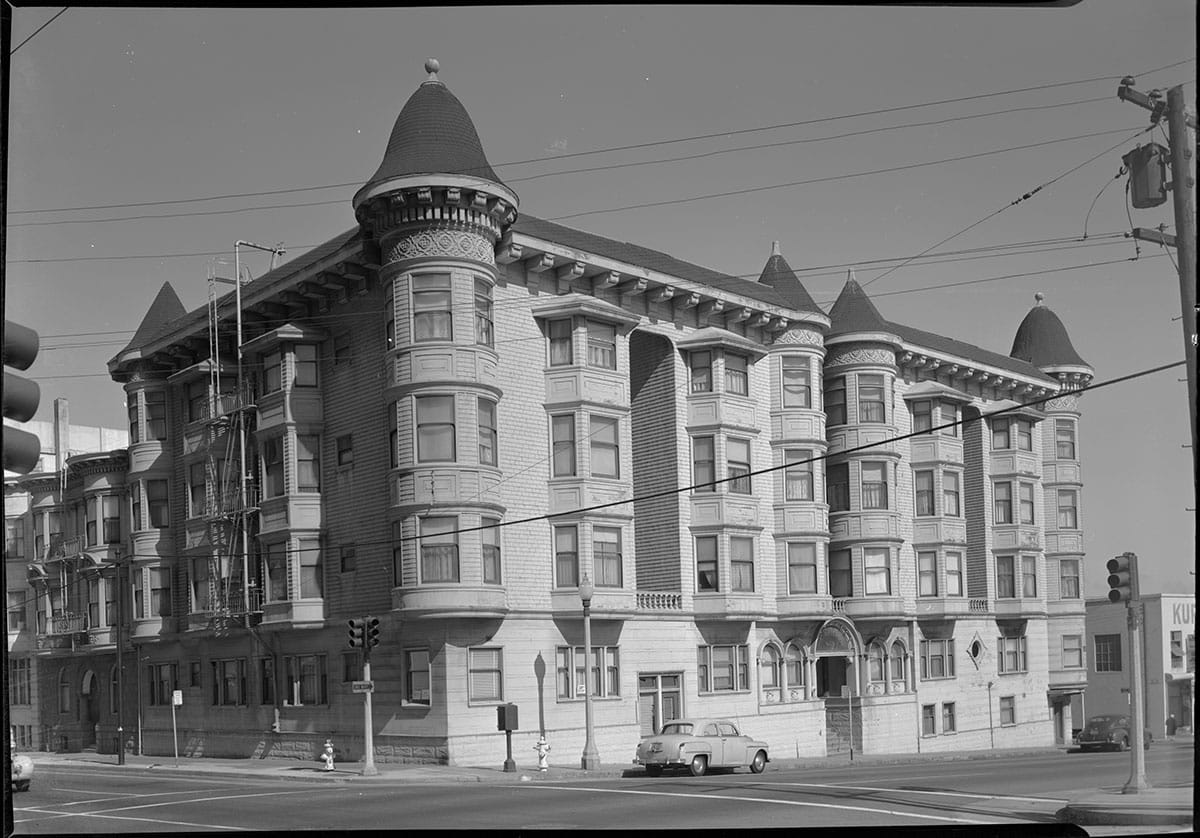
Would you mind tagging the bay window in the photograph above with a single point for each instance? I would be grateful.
(605, 448)
(923, 492)
(559, 332)
(954, 574)
(566, 556)
(704, 464)
(871, 405)
(797, 391)
(431, 307)
(840, 577)
(1068, 510)
(737, 374)
(562, 440)
(606, 557)
(484, 327)
(877, 577)
(874, 485)
(737, 456)
(927, 573)
(700, 364)
(798, 476)
(802, 568)
(308, 463)
(435, 429)
(439, 549)
(602, 345)
(741, 563)
(835, 401)
(706, 563)
(310, 568)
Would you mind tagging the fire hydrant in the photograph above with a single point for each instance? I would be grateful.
(328, 755)
(543, 751)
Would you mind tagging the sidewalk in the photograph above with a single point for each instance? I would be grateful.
(1089, 806)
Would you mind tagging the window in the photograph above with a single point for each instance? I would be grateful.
(566, 556)
(923, 481)
(156, 502)
(605, 447)
(1072, 651)
(229, 683)
(1010, 655)
(928, 719)
(306, 365)
(16, 611)
(562, 440)
(1008, 710)
(490, 546)
(798, 476)
(139, 598)
(487, 432)
(837, 489)
(937, 659)
(19, 680)
(1064, 439)
(736, 374)
(704, 464)
(1108, 652)
(196, 489)
(1068, 578)
(1029, 576)
(954, 574)
(1068, 509)
(272, 457)
(389, 327)
(310, 568)
(840, 579)
(160, 592)
(156, 414)
(305, 680)
(1177, 650)
(561, 353)
(162, 680)
(397, 555)
(606, 557)
(927, 574)
(793, 666)
(700, 364)
(393, 436)
(870, 399)
(896, 661)
(343, 349)
(874, 486)
(741, 563)
(949, 718)
(484, 675)
(876, 571)
(737, 465)
(431, 307)
(1026, 493)
(308, 463)
(797, 391)
(64, 691)
(352, 667)
(604, 680)
(348, 554)
(417, 682)
(950, 494)
(134, 424)
(1007, 431)
(1006, 580)
(345, 450)
(835, 401)
(949, 419)
(769, 665)
(194, 674)
(439, 549)
(272, 374)
(199, 580)
(723, 668)
(484, 329)
(1002, 503)
(802, 568)
(922, 416)
(111, 506)
(435, 429)
(706, 563)
(602, 345)
(266, 680)
(14, 538)
(277, 571)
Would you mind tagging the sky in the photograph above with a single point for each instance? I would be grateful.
(856, 137)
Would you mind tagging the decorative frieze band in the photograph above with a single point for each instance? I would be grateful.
(800, 337)
(880, 357)
(1069, 402)
(442, 242)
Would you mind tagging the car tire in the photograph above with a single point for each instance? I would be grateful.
(759, 763)
(1122, 744)
(698, 765)
(654, 770)
(22, 785)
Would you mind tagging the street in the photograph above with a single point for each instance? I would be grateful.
(1022, 792)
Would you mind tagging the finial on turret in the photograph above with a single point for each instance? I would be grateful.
(775, 249)
(432, 67)
(1039, 296)
(850, 277)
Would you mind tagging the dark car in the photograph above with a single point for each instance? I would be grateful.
(1109, 731)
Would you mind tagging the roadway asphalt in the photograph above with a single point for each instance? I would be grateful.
(1088, 806)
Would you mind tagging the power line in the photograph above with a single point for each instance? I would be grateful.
(39, 29)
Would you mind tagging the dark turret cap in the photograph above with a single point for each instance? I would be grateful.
(1042, 340)
(778, 274)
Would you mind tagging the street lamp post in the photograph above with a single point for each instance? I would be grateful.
(120, 664)
(591, 758)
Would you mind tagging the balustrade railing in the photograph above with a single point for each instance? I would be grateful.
(659, 601)
(977, 606)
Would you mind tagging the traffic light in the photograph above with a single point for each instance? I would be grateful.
(1122, 578)
(22, 450)
(372, 632)
(356, 633)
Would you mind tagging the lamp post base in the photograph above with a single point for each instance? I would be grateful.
(590, 760)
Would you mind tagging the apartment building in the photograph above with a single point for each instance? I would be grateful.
(840, 530)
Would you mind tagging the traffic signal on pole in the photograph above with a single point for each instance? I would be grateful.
(356, 633)
(22, 450)
(372, 632)
(1122, 578)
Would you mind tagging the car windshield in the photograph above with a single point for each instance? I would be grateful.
(1102, 720)
(677, 727)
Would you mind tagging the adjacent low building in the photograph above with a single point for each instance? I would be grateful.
(843, 531)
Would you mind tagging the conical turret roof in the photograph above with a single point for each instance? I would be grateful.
(165, 308)
(1042, 340)
(853, 311)
(434, 135)
(778, 274)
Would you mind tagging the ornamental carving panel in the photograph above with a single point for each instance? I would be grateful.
(800, 337)
(879, 357)
(455, 244)
(1068, 402)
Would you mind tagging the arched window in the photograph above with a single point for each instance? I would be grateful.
(770, 680)
(64, 691)
(793, 666)
(897, 661)
(875, 662)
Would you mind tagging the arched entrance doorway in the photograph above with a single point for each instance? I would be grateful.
(838, 649)
(89, 709)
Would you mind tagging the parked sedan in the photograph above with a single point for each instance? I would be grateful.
(698, 745)
(20, 768)
(1110, 731)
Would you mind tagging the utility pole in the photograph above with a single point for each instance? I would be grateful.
(1180, 124)
(119, 593)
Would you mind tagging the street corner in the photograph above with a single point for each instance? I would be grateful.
(1171, 806)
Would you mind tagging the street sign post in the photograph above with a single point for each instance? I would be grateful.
(176, 701)
(362, 686)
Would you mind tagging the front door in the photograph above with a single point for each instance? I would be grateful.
(660, 699)
(831, 676)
